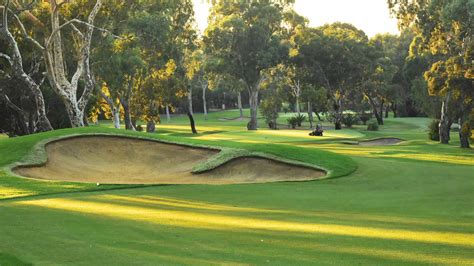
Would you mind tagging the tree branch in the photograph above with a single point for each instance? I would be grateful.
(7, 57)
(24, 32)
(5, 14)
(74, 20)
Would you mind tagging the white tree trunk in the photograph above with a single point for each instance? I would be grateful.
(116, 117)
(444, 123)
(167, 108)
(57, 71)
(296, 88)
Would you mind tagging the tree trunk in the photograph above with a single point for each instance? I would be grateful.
(297, 92)
(127, 115)
(444, 123)
(204, 88)
(191, 122)
(464, 130)
(150, 127)
(190, 100)
(253, 102)
(378, 115)
(168, 117)
(125, 102)
(387, 109)
(76, 115)
(394, 110)
(116, 117)
(113, 108)
(338, 114)
(310, 115)
(239, 104)
(298, 104)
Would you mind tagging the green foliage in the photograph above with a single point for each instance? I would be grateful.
(350, 119)
(296, 120)
(466, 130)
(269, 109)
(373, 126)
(433, 130)
(364, 117)
(300, 118)
(292, 121)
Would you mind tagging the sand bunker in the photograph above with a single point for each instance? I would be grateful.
(118, 160)
(232, 119)
(381, 142)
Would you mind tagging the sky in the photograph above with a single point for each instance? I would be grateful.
(371, 16)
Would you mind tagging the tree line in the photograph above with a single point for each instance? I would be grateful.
(69, 63)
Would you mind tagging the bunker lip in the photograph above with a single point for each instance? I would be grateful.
(380, 142)
(126, 160)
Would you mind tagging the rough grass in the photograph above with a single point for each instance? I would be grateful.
(405, 204)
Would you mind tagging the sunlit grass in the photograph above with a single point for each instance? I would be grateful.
(225, 222)
(197, 205)
(11, 192)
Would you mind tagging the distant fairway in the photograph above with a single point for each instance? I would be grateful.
(408, 203)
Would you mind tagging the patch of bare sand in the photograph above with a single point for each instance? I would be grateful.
(381, 142)
(118, 160)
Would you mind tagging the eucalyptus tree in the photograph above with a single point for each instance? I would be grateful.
(378, 75)
(296, 69)
(197, 72)
(12, 68)
(335, 57)
(245, 39)
(444, 31)
(63, 42)
(167, 35)
(118, 61)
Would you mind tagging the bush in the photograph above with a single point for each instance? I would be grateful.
(269, 110)
(364, 117)
(292, 121)
(433, 130)
(466, 130)
(300, 119)
(373, 126)
(139, 128)
(349, 119)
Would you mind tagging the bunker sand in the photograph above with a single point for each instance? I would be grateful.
(381, 142)
(118, 160)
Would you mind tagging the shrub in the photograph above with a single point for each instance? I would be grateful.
(373, 126)
(466, 130)
(300, 119)
(433, 130)
(139, 128)
(269, 110)
(364, 117)
(349, 119)
(292, 121)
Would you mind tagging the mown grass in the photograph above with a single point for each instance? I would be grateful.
(405, 204)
